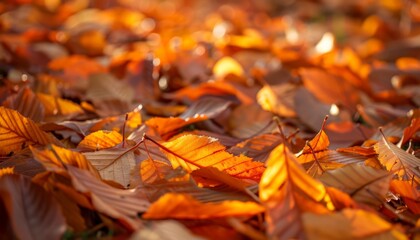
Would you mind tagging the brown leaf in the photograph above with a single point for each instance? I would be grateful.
(32, 212)
(27, 104)
(124, 205)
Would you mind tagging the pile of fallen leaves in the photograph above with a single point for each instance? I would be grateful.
(202, 119)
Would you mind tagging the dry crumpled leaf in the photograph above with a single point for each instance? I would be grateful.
(29, 210)
(192, 152)
(287, 192)
(348, 224)
(17, 132)
(182, 206)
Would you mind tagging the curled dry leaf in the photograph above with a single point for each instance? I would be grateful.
(32, 213)
(192, 152)
(17, 132)
(182, 206)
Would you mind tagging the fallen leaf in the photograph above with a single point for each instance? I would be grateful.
(100, 140)
(181, 206)
(192, 152)
(348, 224)
(287, 192)
(17, 132)
(31, 212)
(27, 104)
(364, 184)
(113, 164)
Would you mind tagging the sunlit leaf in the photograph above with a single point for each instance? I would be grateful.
(319, 145)
(348, 224)
(32, 212)
(100, 140)
(167, 126)
(395, 159)
(362, 183)
(225, 66)
(287, 192)
(193, 152)
(409, 193)
(56, 158)
(6, 171)
(17, 132)
(180, 206)
(278, 99)
(55, 106)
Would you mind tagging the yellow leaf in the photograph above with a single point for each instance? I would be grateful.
(17, 132)
(181, 206)
(225, 66)
(100, 140)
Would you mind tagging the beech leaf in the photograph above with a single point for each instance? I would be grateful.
(17, 131)
(32, 212)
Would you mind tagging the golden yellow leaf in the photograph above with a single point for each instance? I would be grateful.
(193, 152)
(56, 158)
(182, 206)
(17, 132)
(58, 106)
(100, 140)
(225, 66)
(287, 191)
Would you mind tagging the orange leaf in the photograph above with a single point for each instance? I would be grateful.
(100, 140)
(181, 206)
(218, 88)
(287, 191)
(319, 146)
(6, 171)
(55, 158)
(278, 99)
(167, 126)
(32, 212)
(57, 106)
(16, 132)
(409, 193)
(192, 152)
